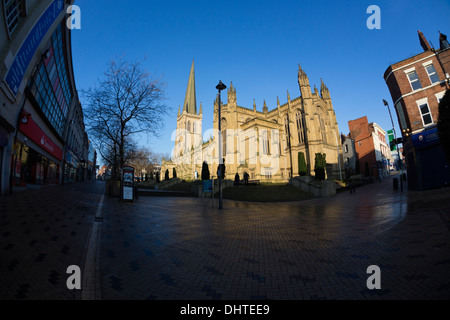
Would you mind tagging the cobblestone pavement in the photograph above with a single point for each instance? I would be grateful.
(42, 232)
(180, 248)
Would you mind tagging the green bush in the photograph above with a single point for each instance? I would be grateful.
(166, 175)
(319, 166)
(302, 168)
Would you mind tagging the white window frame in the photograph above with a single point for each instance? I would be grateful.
(427, 64)
(408, 72)
(439, 96)
(421, 102)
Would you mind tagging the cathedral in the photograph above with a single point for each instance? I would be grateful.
(265, 145)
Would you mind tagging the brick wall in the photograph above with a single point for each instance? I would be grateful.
(364, 147)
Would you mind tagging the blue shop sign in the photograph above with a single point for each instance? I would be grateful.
(31, 44)
(426, 138)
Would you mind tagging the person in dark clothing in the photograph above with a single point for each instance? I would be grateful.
(236, 179)
(246, 177)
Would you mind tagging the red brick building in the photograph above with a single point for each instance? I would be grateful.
(417, 84)
(372, 150)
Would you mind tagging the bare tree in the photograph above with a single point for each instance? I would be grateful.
(142, 160)
(126, 102)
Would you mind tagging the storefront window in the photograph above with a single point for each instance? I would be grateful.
(30, 167)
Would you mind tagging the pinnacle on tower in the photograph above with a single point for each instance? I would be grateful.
(265, 109)
(254, 105)
(201, 109)
(190, 103)
(231, 94)
(288, 96)
(324, 92)
(278, 102)
(302, 77)
(179, 110)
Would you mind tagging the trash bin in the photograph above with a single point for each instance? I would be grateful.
(395, 183)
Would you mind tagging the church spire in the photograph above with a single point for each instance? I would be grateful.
(190, 103)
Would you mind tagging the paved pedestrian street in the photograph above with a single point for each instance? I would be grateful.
(161, 248)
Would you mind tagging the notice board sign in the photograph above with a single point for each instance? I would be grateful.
(127, 183)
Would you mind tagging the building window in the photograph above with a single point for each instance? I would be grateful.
(322, 130)
(414, 80)
(432, 73)
(50, 87)
(299, 120)
(426, 114)
(14, 11)
(347, 161)
(346, 148)
(439, 96)
(265, 143)
(401, 115)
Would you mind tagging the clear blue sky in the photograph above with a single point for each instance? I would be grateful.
(257, 45)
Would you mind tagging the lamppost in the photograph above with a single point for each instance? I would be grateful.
(396, 145)
(220, 87)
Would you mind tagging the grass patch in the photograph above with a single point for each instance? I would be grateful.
(266, 193)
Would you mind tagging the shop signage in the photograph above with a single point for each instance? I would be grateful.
(425, 138)
(35, 133)
(28, 48)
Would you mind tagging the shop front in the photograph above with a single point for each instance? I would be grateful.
(71, 171)
(36, 158)
(426, 161)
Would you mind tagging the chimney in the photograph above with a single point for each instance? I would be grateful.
(423, 41)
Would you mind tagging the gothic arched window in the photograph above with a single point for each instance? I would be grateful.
(300, 127)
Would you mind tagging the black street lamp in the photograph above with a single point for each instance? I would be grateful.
(396, 145)
(220, 87)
